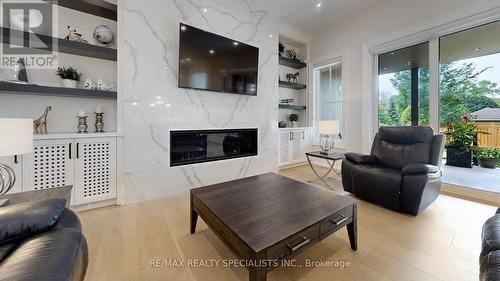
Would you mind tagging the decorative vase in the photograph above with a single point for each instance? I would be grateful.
(458, 157)
(295, 124)
(68, 83)
(490, 163)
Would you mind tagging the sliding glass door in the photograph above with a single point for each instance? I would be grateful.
(470, 79)
(403, 86)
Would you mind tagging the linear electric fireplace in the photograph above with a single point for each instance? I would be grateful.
(197, 146)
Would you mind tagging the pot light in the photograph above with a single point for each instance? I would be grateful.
(167, 105)
(152, 104)
(183, 27)
(205, 10)
(235, 43)
(211, 52)
(318, 5)
(135, 103)
(392, 53)
(270, 36)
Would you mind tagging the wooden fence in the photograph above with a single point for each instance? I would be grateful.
(492, 139)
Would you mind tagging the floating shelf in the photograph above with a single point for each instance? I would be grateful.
(98, 8)
(292, 63)
(36, 90)
(296, 86)
(294, 107)
(65, 46)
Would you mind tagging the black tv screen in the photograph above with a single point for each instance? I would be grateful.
(211, 62)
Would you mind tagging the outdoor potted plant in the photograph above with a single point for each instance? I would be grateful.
(294, 118)
(69, 75)
(460, 141)
(488, 156)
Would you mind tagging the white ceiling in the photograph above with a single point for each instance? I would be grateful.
(306, 16)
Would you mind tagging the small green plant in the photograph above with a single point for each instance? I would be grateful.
(68, 72)
(487, 152)
(294, 117)
(462, 135)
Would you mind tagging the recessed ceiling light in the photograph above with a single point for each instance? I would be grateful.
(318, 5)
(477, 49)
(183, 27)
(167, 105)
(135, 103)
(152, 104)
(270, 35)
(235, 43)
(205, 10)
(211, 52)
(392, 53)
(158, 97)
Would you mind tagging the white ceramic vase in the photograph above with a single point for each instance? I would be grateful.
(68, 83)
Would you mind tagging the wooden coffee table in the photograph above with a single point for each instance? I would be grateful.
(271, 217)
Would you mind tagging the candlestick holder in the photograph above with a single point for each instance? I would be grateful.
(99, 122)
(82, 124)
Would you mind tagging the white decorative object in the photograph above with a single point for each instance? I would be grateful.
(81, 113)
(101, 85)
(17, 138)
(68, 83)
(327, 128)
(98, 109)
(88, 84)
(103, 34)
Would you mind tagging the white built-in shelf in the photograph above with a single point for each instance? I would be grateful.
(57, 136)
(37, 90)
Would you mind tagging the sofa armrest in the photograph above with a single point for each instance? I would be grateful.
(418, 169)
(25, 219)
(361, 158)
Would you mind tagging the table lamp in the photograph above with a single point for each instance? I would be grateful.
(325, 129)
(16, 137)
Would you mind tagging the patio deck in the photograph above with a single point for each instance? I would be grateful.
(477, 177)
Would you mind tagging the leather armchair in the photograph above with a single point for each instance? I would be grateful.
(489, 259)
(402, 172)
(41, 240)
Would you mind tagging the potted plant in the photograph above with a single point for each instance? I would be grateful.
(488, 156)
(294, 118)
(460, 141)
(69, 75)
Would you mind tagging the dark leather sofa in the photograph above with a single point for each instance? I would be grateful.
(41, 241)
(402, 172)
(489, 259)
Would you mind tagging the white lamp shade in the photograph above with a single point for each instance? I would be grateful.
(328, 127)
(16, 136)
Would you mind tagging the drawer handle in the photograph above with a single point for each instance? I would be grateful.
(300, 245)
(341, 221)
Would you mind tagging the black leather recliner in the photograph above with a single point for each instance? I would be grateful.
(41, 241)
(402, 172)
(489, 259)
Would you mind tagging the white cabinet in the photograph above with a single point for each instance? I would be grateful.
(89, 164)
(95, 170)
(293, 145)
(15, 163)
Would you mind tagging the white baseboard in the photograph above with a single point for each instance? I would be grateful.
(486, 197)
(95, 205)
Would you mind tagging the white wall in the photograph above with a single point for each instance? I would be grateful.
(348, 37)
(148, 68)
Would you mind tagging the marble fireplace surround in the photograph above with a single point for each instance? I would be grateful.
(151, 104)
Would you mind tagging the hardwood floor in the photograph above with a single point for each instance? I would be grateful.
(442, 243)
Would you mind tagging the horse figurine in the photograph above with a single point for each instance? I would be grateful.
(75, 36)
(292, 78)
(40, 124)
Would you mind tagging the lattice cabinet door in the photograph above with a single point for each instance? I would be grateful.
(14, 162)
(49, 165)
(95, 170)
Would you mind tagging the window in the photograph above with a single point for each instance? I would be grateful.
(403, 79)
(328, 92)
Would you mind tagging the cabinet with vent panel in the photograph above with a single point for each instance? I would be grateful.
(89, 164)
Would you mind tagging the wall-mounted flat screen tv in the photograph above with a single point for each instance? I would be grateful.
(212, 62)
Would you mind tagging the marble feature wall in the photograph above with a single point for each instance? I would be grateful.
(152, 104)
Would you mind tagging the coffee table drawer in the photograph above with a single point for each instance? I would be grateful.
(337, 220)
(294, 244)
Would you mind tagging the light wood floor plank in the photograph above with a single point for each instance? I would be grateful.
(442, 243)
